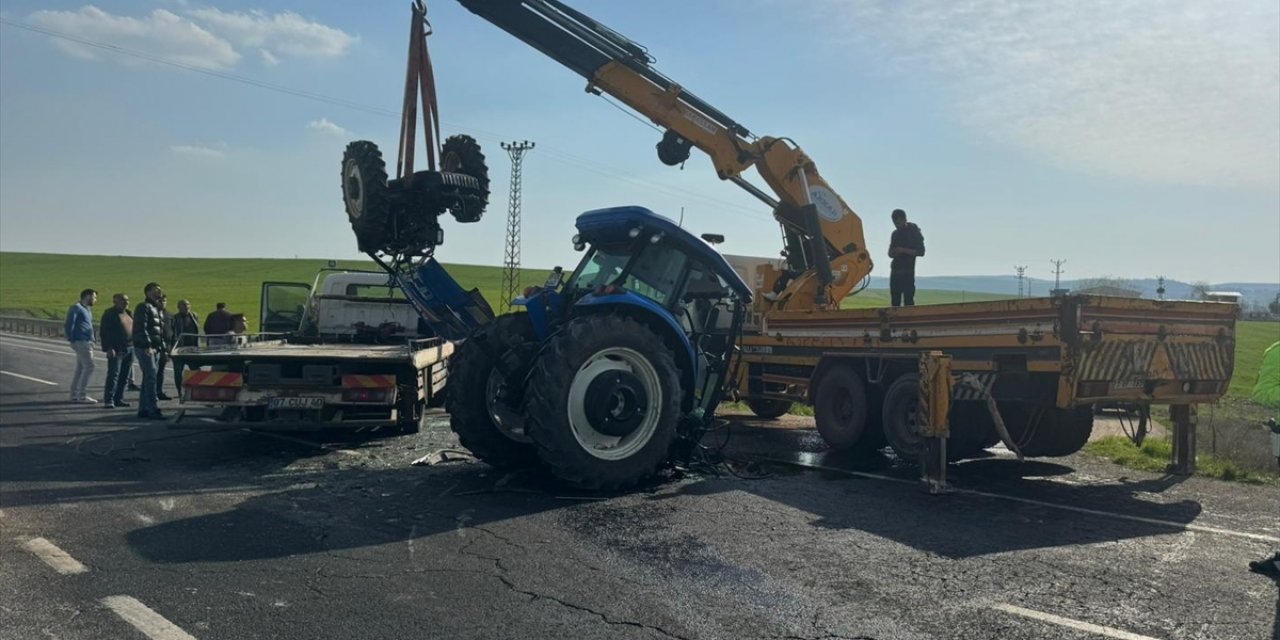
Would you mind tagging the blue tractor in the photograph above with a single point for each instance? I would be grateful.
(608, 375)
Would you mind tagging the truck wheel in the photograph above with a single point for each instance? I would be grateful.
(971, 429)
(488, 428)
(840, 407)
(1069, 430)
(902, 417)
(461, 154)
(410, 416)
(768, 409)
(364, 192)
(604, 401)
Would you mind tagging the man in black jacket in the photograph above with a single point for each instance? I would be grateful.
(117, 343)
(148, 341)
(162, 360)
(186, 330)
(905, 245)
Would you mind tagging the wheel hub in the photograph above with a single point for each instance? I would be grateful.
(616, 402)
(355, 190)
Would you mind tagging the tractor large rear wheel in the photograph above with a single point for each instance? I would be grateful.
(364, 193)
(603, 402)
(485, 425)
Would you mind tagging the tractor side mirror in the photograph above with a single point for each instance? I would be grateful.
(713, 238)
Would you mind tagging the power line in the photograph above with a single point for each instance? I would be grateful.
(557, 155)
(1022, 276)
(1057, 275)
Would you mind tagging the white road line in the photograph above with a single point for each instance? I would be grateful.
(34, 348)
(1052, 505)
(1072, 624)
(154, 625)
(60, 560)
(19, 375)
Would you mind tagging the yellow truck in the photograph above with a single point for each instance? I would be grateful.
(1028, 370)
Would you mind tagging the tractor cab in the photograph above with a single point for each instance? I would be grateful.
(607, 373)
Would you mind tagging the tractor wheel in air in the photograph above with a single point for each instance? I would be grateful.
(902, 417)
(486, 426)
(364, 192)
(768, 409)
(840, 407)
(603, 402)
(461, 154)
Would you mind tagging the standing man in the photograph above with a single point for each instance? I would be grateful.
(148, 340)
(219, 321)
(162, 360)
(186, 328)
(905, 245)
(117, 343)
(78, 329)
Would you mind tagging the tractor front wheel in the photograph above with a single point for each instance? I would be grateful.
(364, 193)
(486, 425)
(603, 402)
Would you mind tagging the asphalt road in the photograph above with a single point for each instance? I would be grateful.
(112, 527)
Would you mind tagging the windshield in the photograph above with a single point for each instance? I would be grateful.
(654, 273)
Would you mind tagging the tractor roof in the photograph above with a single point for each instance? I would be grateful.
(614, 225)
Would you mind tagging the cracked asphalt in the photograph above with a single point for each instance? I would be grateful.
(234, 534)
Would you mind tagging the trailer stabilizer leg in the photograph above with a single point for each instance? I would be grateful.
(1183, 460)
(935, 405)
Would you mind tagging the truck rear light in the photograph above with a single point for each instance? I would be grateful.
(364, 395)
(213, 394)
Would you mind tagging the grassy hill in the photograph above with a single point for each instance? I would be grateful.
(44, 285)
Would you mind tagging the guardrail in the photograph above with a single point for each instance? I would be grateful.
(26, 325)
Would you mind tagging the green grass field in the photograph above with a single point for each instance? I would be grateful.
(44, 285)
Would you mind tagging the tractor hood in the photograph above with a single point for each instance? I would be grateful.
(614, 225)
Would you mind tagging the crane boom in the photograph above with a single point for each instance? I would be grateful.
(825, 250)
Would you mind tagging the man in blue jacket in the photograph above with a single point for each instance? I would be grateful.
(79, 332)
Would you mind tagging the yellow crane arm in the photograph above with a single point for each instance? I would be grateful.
(825, 250)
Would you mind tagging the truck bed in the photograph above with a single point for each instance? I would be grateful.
(419, 354)
(1088, 348)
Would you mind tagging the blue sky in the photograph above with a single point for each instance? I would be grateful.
(1130, 138)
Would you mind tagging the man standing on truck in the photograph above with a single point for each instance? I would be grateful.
(905, 245)
(117, 343)
(79, 332)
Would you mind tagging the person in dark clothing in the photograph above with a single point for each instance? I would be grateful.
(186, 329)
(162, 359)
(148, 340)
(219, 321)
(905, 245)
(117, 343)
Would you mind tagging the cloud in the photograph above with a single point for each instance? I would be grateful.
(324, 126)
(161, 33)
(196, 151)
(268, 58)
(1176, 91)
(277, 35)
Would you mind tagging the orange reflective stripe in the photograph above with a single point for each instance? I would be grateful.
(361, 381)
(212, 379)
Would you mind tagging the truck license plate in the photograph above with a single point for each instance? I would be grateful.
(295, 403)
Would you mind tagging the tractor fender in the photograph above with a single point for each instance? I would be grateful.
(654, 315)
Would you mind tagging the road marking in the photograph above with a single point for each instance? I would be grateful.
(59, 560)
(154, 625)
(1072, 624)
(34, 348)
(19, 375)
(1052, 505)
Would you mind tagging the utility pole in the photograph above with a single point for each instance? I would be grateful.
(1057, 277)
(511, 257)
(1160, 289)
(1022, 275)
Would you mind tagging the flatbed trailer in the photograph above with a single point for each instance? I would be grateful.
(1044, 361)
(271, 383)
